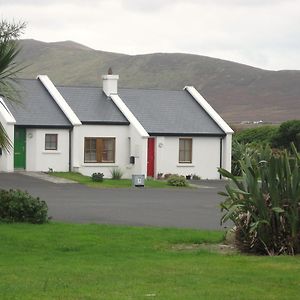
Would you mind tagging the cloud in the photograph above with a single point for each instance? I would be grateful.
(261, 33)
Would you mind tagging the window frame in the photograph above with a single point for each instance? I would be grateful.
(190, 151)
(47, 148)
(99, 150)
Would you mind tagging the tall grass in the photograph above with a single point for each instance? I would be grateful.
(116, 173)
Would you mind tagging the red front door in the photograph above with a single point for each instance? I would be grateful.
(150, 163)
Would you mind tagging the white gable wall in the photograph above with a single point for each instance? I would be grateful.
(227, 152)
(7, 159)
(205, 157)
(227, 141)
(138, 149)
(8, 121)
(39, 159)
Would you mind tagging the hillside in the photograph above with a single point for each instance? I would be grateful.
(238, 92)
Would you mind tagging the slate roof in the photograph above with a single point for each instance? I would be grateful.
(160, 112)
(91, 105)
(164, 112)
(37, 108)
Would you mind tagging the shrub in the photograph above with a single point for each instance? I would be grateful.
(265, 204)
(177, 180)
(19, 206)
(160, 175)
(240, 151)
(288, 132)
(116, 173)
(262, 134)
(195, 177)
(97, 177)
(167, 176)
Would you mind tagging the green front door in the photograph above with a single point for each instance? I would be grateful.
(20, 148)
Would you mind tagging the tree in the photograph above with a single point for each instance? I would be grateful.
(9, 49)
(288, 132)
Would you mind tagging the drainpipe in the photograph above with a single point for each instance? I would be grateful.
(70, 148)
(221, 154)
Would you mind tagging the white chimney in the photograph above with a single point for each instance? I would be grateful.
(110, 83)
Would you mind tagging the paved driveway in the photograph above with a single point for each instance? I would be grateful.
(186, 208)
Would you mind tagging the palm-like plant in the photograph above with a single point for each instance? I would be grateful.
(264, 204)
(9, 49)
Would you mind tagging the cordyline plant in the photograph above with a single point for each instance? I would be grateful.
(264, 203)
(9, 68)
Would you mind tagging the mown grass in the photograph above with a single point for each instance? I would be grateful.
(67, 261)
(109, 183)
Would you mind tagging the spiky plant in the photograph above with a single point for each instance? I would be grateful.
(264, 204)
(9, 49)
(116, 173)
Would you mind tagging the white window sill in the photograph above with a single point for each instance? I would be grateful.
(185, 165)
(51, 152)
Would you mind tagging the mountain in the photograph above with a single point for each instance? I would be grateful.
(238, 92)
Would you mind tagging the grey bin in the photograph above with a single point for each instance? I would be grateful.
(138, 180)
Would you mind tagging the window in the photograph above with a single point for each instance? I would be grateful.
(185, 150)
(50, 141)
(99, 150)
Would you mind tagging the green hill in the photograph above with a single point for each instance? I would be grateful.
(238, 92)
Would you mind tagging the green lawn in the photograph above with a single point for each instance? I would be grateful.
(67, 261)
(109, 183)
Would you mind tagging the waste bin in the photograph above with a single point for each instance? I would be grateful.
(138, 180)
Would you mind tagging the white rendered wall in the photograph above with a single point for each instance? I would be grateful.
(227, 149)
(39, 159)
(138, 149)
(205, 157)
(120, 133)
(128, 143)
(7, 158)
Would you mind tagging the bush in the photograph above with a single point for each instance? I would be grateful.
(116, 173)
(262, 134)
(97, 177)
(255, 152)
(160, 175)
(288, 132)
(265, 204)
(176, 180)
(195, 177)
(18, 206)
(167, 176)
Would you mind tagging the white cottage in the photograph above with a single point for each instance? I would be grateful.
(89, 129)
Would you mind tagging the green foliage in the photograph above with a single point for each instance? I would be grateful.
(262, 134)
(116, 173)
(18, 206)
(253, 151)
(9, 49)
(265, 204)
(97, 177)
(177, 180)
(288, 132)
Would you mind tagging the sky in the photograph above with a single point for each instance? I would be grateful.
(260, 33)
